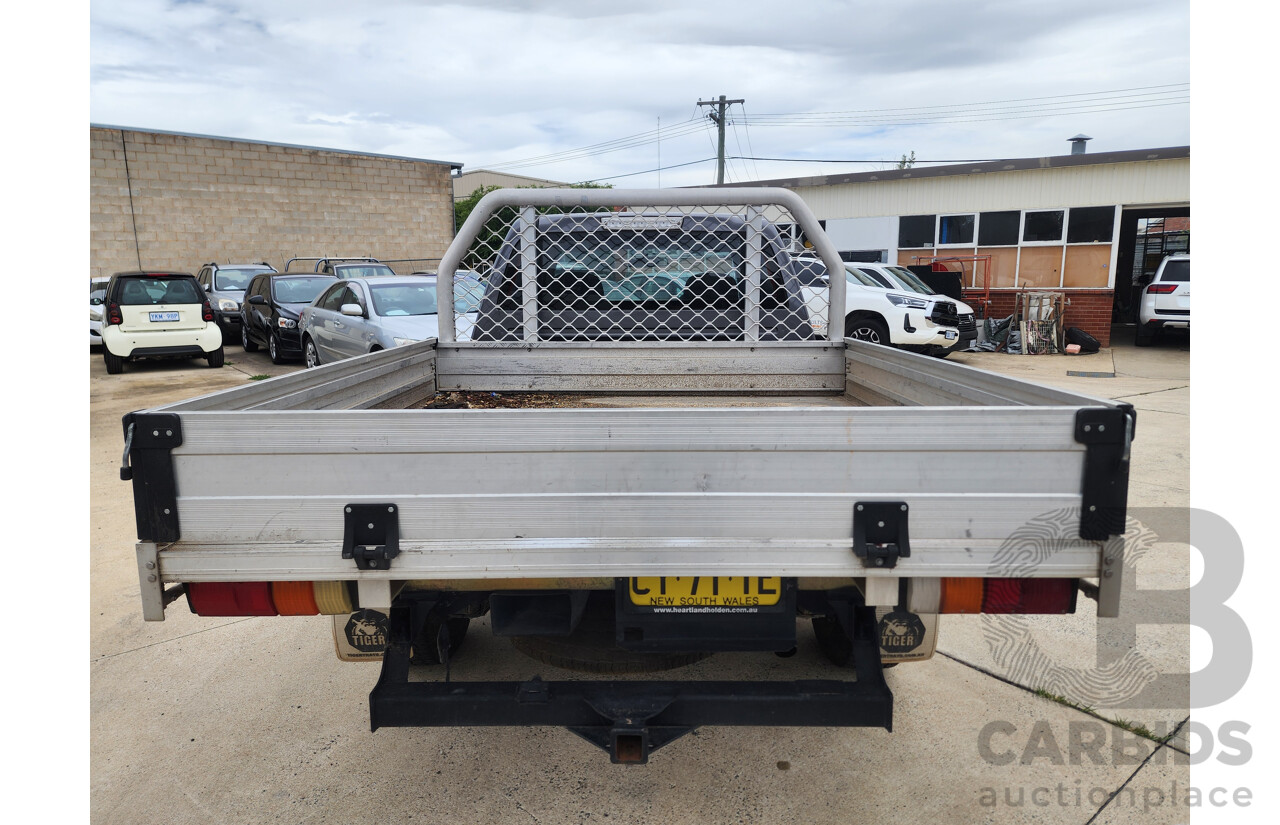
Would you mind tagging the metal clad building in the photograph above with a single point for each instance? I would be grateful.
(1089, 225)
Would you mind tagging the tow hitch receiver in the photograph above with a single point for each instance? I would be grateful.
(630, 720)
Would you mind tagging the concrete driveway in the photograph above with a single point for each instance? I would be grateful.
(255, 720)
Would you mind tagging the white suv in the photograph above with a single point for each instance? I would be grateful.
(158, 315)
(1166, 301)
(899, 277)
(896, 317)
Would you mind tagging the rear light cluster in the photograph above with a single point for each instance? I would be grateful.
(207, 311)
(269, 598)
(114, 317)
(1008, 595)
(1161, 289)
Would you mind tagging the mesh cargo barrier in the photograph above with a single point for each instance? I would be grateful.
(618, 266)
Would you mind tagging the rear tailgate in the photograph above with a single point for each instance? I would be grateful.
(253, 485)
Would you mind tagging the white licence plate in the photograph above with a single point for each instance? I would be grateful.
(164, 316)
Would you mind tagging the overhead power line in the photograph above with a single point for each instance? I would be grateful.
(651, 171)
(1142, 89)
(1083, 103)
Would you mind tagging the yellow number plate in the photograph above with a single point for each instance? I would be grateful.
(708, 591)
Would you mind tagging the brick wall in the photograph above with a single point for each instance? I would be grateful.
(198, 199)
(1088, 309)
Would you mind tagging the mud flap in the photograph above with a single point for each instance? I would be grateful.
(361, 636)
(906, 636)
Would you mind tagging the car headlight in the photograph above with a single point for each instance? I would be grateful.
(907, 301)
(404, 342)
(286, 323)
(228, 305)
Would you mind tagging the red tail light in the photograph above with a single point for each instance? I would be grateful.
(231, 599)
(113, 315)
(1161, 289)
(1008, 596)
(208, 312)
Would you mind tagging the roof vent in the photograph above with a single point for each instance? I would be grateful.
(1077, 144)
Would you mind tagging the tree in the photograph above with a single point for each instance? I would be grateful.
(907, 162)
(491, 235)
(462, 207)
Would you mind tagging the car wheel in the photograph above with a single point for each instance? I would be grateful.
(1143, 336)
(115, 363)
(867, 329)
(216, 358)
(273, 349)
(249, 345)
(309, 354)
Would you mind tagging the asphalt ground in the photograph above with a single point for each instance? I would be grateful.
(247, 720)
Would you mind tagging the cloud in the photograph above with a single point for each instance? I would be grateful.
(498, 80)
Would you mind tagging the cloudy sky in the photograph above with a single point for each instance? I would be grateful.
(578, 90)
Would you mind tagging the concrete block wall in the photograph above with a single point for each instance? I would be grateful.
(201, 199)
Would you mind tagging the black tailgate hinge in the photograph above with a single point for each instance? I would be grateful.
(880, 532)
(149, 439)
(371, 535)
(1106, 433)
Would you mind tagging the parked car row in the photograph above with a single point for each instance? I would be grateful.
(166, 314)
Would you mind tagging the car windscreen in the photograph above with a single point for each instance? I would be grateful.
(1176, 271)
(298, 290)
(468, 292)
(877, 278)
(855, 275)
(650, 267)
(370, 271)
(97, 294)
(398, 300)
(234, 280)
(911, 280)
(144, 291)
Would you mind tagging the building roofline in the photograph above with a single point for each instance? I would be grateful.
(507, 175)
(1009, 165)
(449, 163)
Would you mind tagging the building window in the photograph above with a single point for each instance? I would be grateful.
(1091, 224)
(1042, 227)
(956, 230)
(999, 228)
(915, 231)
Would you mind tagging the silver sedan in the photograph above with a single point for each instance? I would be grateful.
(361, 315)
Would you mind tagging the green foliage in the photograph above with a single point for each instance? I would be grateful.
(462, 207)
(491, 236)
(907, 162)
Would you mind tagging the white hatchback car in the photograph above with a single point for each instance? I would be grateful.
(1166, 301)
(895, 317)
(158, 315)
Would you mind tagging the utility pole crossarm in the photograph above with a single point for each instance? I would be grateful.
(717, 117)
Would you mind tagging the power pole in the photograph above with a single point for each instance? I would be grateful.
(717, 117)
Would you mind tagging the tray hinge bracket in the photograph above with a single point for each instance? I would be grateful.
(371, 535)
(880, 532)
